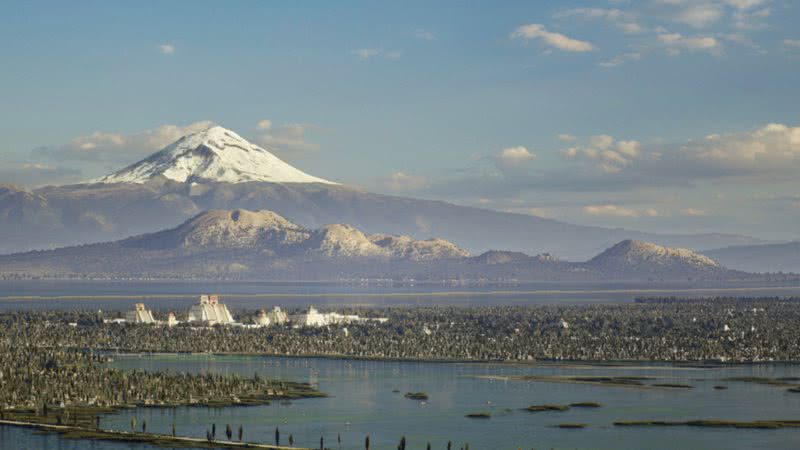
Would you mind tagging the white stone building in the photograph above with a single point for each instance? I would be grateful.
(314, 318)
(209, 310)
(275, 317)
(139, 315)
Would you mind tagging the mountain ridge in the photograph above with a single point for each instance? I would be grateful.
(142, 198)
(778, 257)
(264, 245)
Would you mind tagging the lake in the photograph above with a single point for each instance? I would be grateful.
(362, 401)
(174, 295)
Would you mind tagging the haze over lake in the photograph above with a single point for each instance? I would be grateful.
(121, 295)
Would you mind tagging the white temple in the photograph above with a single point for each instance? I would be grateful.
(210, 311)
(275, 317)
(139, 315)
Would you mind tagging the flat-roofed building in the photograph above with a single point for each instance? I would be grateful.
(210, 311)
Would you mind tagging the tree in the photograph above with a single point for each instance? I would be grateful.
(228, 431)
(366, 443)
(133, 424)
(291, 440)
(429, 446)
(144, 426)
(321, 443)
(402, 445)
(278, 437)
(240, 433)
(449, 445)
(173, 429)
(213, 431)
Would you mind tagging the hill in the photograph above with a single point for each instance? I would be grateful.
(263, 245)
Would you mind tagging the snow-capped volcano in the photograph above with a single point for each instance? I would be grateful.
(213, 155)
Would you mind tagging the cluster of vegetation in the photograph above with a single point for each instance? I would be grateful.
(45, 380)
(730, 330)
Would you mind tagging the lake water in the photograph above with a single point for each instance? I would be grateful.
(121, 295)
(362, 402)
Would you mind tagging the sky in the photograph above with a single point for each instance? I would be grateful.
(656, 115)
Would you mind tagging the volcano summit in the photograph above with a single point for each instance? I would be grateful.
(213, 155)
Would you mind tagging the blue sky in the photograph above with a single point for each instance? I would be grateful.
(662, 115)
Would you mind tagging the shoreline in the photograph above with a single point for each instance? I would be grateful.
(572, 364)
(77, 432)
(440, 294)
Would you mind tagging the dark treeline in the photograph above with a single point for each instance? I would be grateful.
(700, 330)
(738, 300)
(38, 373)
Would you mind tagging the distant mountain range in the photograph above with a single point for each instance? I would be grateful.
(783, 257)
(262, 245)
(217, 169)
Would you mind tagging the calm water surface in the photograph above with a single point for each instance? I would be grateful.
(362, 402)
(173, 295)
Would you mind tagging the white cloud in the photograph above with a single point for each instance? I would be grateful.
(425, 35)
(566, 137)
(166, 49)
(369, 53)
(767, 153)
(609, 155)
(512, 158)
(624, 20)
(693, 212)
(699, 14)
(394, 54)
(516, 154)
(618, 211)
(286, 138)
(744, 14)
(123, 148)
(773, 147)
(745, 4)
(629, 148)
(675, 42)
(791, 45)
(621, 59)
(366, 53)
(601, 141)
(555, 40)
(403, 182)
(570, 153)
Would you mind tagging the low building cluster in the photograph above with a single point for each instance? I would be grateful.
(209, 311)
(314, 318)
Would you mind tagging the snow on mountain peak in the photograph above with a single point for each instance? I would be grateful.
(212, 155)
